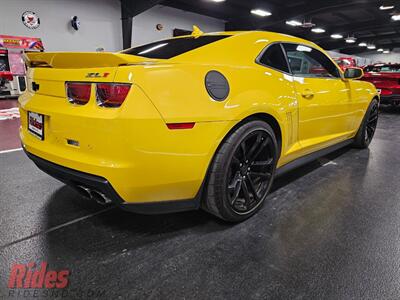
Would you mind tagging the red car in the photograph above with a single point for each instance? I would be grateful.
(346, 62)
(386, 78)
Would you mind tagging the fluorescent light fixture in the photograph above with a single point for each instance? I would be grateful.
(351, 40)
(217, 0)
(153, 48)
(386, 52)
(371, 47)
(380, 50)
(396, 17)
(260, 12)
(303, 48)
(336, 36)
(293, 23)
(318, 30)
(362, 44)
(386, 7)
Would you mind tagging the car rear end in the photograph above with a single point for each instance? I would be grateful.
(74, 115)
(386, 79)
(86, 121)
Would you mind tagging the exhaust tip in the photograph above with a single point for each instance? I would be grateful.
(100, 197)
(84, 191)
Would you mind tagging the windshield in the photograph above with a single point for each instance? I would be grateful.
(383, 68)
(170, 48)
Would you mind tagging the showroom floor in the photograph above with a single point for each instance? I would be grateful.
(329, 230)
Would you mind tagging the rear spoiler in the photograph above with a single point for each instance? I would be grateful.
(78, 60)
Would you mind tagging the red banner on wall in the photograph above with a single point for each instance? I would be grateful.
(21, 42)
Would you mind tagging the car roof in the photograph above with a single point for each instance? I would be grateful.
(273, 36)
(250, 42)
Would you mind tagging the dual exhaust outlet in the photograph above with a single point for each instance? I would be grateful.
(93, 194)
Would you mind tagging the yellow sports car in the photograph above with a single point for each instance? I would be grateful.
(200, 121)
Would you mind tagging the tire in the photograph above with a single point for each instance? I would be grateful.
(242, 172)
(367, 128)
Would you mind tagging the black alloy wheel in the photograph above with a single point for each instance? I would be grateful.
(242, 172)
(250, 172)
(368, 126)
(372, 122)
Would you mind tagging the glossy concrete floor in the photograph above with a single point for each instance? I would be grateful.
(330, 230)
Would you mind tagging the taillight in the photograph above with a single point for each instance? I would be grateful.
(111, 94)
(78, 93)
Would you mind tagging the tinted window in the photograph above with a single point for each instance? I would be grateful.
(383, 68)
(275, 58)
(308, 62)
(170, 48)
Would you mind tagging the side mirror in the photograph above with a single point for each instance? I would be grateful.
(353, 73)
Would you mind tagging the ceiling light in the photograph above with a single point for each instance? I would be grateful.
(293, 23)
(318, 30)
(260, 12)
(362, 44)
(386, 7)
(371, 47)
(218, 0)
(380, 50)
(396, 17)
(336, 36)
(351, 40)
(386, 52)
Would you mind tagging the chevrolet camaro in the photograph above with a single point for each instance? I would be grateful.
(199, 121)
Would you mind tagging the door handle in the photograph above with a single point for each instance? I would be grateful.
(308, 94)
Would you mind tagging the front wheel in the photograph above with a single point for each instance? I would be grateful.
(242, 172)
(368, 126)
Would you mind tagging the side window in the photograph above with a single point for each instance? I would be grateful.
(275, 58)
(308, 62)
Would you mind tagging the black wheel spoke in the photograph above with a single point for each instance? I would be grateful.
(262, 175)
(236, 191)
(232, 185)
(246, 193)
(243, 147)
(255, 146)
(235, 160)
(264, 163)
(259, 150)
(252, 188)
(373, 118)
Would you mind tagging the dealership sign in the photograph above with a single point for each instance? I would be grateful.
(21, 42)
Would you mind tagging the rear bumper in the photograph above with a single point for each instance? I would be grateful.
(391, 99)
(80, 180)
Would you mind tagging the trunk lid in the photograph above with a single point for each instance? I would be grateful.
(48, 72)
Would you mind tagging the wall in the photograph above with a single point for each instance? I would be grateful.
(393, 57)
(144, 25)
(100, 23)
(361, 61)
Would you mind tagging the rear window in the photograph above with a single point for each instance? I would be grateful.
(170, 48)
(383, 68)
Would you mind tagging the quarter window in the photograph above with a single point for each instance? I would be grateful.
(167, 49)
(275, 58)
(305, 61)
